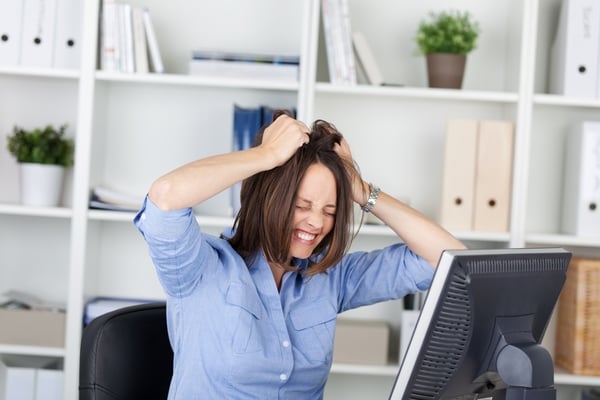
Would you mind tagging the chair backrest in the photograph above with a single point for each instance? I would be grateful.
(126, 354)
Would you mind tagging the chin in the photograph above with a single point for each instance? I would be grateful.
(301, 254)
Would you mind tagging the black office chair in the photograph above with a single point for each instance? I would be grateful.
(126, 355)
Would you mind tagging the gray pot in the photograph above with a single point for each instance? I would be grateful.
(445, 70)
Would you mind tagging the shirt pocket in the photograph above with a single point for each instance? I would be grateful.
(314, 328)
(248, 313)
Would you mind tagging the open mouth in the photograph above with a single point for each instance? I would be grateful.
(305, 236)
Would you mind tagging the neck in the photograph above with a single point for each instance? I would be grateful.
(278, 272)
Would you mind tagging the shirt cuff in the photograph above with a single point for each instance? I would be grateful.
(154, 222)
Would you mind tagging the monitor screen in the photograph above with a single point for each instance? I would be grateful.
(481, 325)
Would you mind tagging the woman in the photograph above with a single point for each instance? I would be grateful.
(251, 315)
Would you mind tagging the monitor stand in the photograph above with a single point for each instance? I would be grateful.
(528, 371)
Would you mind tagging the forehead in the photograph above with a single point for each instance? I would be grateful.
(318, 184)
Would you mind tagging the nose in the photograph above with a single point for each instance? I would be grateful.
(315, 219)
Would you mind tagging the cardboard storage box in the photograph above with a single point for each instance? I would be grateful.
(32, 328)
(361, 342)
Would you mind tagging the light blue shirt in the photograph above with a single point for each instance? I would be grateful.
(234, 336)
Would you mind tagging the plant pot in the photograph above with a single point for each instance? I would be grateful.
(41, 184)
(445, 70)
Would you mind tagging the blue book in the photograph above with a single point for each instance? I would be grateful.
(246, 123)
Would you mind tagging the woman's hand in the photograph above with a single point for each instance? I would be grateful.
(360, 189)
(284, 137)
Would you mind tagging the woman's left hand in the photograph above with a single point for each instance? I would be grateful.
(360, 190)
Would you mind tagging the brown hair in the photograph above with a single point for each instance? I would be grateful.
(266, 216)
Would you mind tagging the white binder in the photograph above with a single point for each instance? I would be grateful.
(11, 18)
(49, 384)
(67, 45)
(575, 51)
(16, 382)
(581, 191)
(39, 25)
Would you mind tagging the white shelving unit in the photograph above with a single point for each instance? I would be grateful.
(131, 128)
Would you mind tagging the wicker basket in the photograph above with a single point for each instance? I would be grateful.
(578, 333)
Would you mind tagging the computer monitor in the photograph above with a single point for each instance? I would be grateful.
(479, 331)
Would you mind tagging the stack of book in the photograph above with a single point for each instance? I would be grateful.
(338, 42)
(349, 56)
(104, 198)
(224, 64)
(98, 306)
(127, 39)
(247, 121)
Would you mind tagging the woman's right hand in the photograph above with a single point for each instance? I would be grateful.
(284, 137)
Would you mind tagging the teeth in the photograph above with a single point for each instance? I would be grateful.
(305, 236)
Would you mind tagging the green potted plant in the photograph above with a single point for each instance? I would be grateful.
(42, 154)
(445, 38)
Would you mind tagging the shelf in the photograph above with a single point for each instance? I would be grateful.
(53, 212)
(189, 80)
(373, 370)
(419, 93)
(226, 222)
(564, 378)
(32, 350)
(562, 101)
(127, 216)
(561, 239)
(39, 72)
(560, 377)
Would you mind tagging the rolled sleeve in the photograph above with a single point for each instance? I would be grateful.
(386, 274)
(153, 222)
(175, 245)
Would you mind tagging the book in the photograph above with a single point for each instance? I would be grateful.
(226, 64)
(246, 56)
(139, 41)
(366, 60)
(101, 305)
(102, 197)
(332, 32)
(246, 123)
(338, 41)
(153, 48)
(347, 48)
(126, 38)
(108, 36)
(244, 70)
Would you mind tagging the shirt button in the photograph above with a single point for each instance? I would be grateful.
(286, 343)
(283, 377)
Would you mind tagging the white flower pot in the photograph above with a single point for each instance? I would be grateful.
(41, 184)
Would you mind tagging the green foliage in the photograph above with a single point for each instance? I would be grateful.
(42, 146)
(447, 32)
